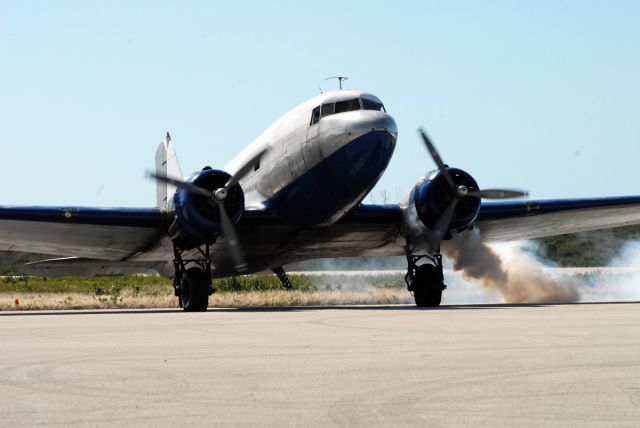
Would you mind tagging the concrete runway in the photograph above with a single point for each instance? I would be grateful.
(566, 365)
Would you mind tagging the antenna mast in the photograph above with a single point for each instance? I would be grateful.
(340, 79)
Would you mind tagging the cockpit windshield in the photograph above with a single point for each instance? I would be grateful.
(372, 105)
(348, 105)
(330, 108)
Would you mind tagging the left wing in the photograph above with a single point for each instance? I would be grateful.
(98, 233)
(508, 221)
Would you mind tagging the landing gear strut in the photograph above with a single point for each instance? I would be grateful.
(282, 276)
(425, 281)
(192, 279)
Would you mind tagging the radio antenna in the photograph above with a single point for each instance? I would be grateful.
(340, 79)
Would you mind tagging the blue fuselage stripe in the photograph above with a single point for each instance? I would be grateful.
(131, 217)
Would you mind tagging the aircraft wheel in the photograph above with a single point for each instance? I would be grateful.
(194, 295)
(428, 286)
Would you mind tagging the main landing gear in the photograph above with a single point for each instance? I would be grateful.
(192, 279)
(425, 281)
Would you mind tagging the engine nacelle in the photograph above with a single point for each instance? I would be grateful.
(432, 195)
(198, 217)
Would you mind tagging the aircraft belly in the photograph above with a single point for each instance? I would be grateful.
(269, 246)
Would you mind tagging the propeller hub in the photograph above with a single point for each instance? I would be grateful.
(220, 194)
(462, 191)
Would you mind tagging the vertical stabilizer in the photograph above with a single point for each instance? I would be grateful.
(166, 164)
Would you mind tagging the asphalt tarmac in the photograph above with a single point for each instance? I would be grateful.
(491, 365)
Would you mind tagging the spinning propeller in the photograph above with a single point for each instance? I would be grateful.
(457, 192)
(216, 198)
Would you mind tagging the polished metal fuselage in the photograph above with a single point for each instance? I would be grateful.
(311, 176)
(296, 147)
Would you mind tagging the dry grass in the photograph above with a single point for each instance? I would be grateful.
(59, 301)
(373, 296)
(128, 299)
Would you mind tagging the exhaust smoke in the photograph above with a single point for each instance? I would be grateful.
(620, 281)
(509, 270)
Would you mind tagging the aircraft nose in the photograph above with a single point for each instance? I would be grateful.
(356, 167)
(377, 121)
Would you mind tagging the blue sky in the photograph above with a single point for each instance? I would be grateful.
(540, 95)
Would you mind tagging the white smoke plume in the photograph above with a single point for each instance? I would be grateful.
(619, 283)
(508, 270)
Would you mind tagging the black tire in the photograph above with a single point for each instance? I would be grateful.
(194, 295)
(428, 286)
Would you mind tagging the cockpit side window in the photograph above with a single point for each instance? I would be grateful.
(315, 116)
(372, 105)
(347, 105)
(327, 109)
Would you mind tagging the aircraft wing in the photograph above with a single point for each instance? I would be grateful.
(99, 233)
(78, 266)
(123, 233)
(508, 221)
(375, 229)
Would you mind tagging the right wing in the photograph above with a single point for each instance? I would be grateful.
(78, 266)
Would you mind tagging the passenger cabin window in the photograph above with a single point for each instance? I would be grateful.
(372, 105)
(315, 115)
(347, 105)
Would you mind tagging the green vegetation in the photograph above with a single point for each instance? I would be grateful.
(33, 293)
(101, 285)
(110, 285)
(11, 261)
(351, 263)
(595, 248)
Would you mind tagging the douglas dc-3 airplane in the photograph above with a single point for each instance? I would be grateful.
(295, 193)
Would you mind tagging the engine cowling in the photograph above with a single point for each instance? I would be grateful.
(197, 218)
(432, 195)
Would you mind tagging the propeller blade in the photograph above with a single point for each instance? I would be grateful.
(436, 158)
(227, 228)
(497, 193)
(442, 225)
(230, 237)
(180, 184)
(244, 169)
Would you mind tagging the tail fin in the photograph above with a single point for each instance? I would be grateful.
(166, 164)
